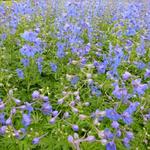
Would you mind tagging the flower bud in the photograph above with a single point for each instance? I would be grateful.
(17, 101)
(78, 98)
(36, 95)
(45, 98)
(66, 115)
(60, 101)
(52, 120)
(2, 106)
(75, 127)
(82, 117)
(36, 141)
(90, 138)
(54, 113)
(73, 103)
(8, 121)
(70, 139)
(13, 111)
(2, 130)
(75, 110)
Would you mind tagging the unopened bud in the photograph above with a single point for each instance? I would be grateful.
(82, 117)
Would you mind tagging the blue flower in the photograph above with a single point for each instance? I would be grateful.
(40, 68)
(95, 91)
(90, 138)
(29, 36)
(2, 130)
(55, 113)
(83, 61)
(60, 51)
(118, 133)
(108, 134)
(2, 118)
(26, 120)
(120, 93)
(96, 63)
(115, 124)
(140, 65)
(53, 67)
(52, 120)
(141, 48)
(147, 116)
(66, 115)
(45, 98)
(111, 146)
(46, 108)
(127, 118)
(25, 62)
(129, 135)
(36, 95)
(129, 44)
(39, 60)
(2, 105)
(138, 87)
(132, 107)
(75, 127)
(131, 32)
(126, 142)
(101, 68)
(70, 139)
(3, 36)
(74, 80)
(20, 73)
(28, 51)
(147, 73)
(29, 107)
(112, 114)
(17, 101)
(39, 63)
(9, 121)
(35, 140)
(126, 75)
(2, 8)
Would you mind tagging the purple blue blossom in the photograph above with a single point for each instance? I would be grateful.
(46, 108)
(26, 120)
(111, 146)
(36, 95)
(2, 130)
(20, 73)
(112, 114)
(138, 87)
(147, 73)
(29, 36)
(74, 80)
(75, 127)
(53, 67)
(25, 62)
(35, 140)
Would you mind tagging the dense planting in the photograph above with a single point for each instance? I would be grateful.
(74, 75)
